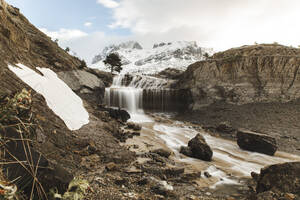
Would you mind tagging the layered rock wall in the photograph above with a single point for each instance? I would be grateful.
(260, 73)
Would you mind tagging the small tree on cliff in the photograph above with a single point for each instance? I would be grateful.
(114, 62)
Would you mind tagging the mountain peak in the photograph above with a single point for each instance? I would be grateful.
(130, 45)
(162, 55)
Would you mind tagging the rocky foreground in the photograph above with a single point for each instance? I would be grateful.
(91, 162)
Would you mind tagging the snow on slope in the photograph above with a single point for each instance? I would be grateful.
(137, 60)
(59, 97)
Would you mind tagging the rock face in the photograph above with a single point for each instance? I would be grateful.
(256, 142)
(86, 84)
(258, 73)
(198, 148)
(170, 73)
(281, 177)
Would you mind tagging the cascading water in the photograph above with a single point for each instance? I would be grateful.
(120, 96)
(139, 93)
(126, 96)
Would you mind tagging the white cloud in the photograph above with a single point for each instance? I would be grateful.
(85, 45)
(64, 35)
(217, 23)
(108, 3)
(88, 24)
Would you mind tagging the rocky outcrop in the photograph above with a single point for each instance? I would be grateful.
(256, 142)
(284, 178)
(84, 83)
(170, 73)
(118, 114)
(198, 148)
(106, 77)
(258, 73)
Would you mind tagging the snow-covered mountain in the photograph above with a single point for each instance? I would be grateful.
(136, 59)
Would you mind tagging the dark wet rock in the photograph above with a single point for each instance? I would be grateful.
(252, 141)
(162, 152)
(207, 175)
(225, 127)
(136, 133)
(159, 189)
(200, 148)
(281, 177)
(134, 126)
(255, 176)
(186, 151)
(119, 114)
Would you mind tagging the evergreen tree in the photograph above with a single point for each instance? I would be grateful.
(114, 62)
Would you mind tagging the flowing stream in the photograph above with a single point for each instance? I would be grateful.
(229, 163)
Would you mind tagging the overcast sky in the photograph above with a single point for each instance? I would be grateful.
(86, 26)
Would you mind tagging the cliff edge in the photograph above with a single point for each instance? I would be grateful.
(257, 73)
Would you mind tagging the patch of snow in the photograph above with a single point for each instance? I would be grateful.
(59, 97)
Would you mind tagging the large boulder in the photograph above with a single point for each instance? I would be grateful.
(84, 83)
(280, 177)
(77, 79)
(252, 141)
(119, 114)
(199, 149)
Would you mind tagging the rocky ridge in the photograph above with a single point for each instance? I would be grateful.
(258, 73)
(136, 59)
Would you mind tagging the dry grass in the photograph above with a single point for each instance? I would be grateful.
(15, 113)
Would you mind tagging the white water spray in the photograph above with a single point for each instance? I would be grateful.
(129, 98)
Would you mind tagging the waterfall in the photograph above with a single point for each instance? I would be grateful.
(124, 97)
(139, 93)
